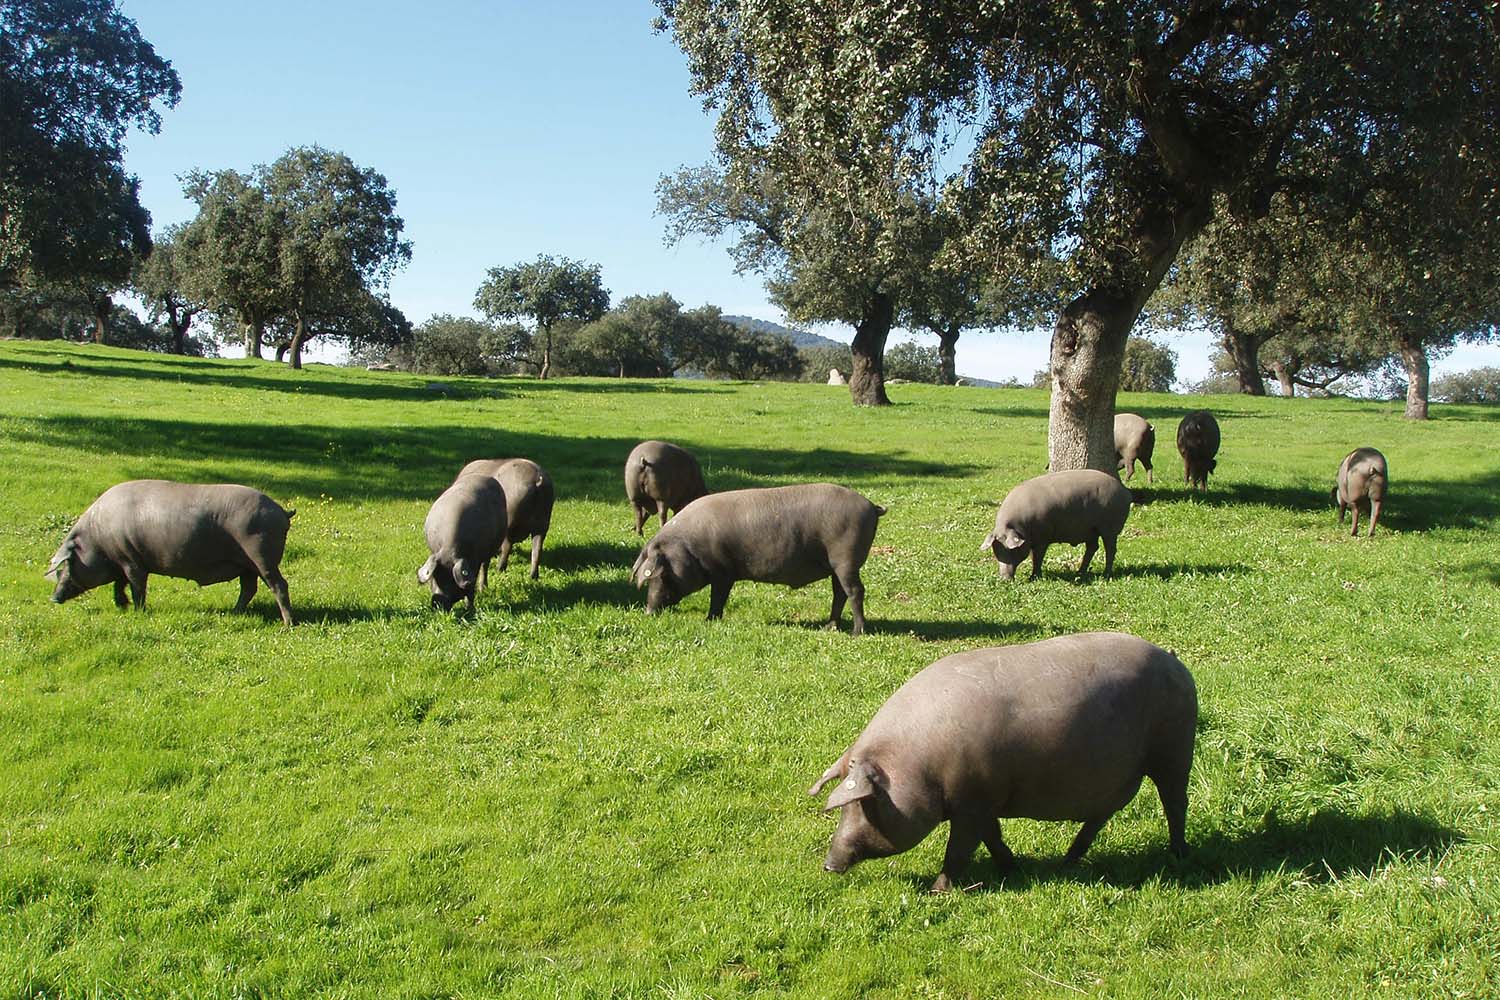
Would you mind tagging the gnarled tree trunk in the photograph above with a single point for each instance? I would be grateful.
(1414, 360)
(867, 376)
(948, 355)
(546, 368)
(1284, 377)
(299, 337)
(101, 308)
(1244, 350)
(1088, 351)
(255, 338)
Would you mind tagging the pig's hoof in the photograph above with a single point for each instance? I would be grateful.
(941, 885)
(830, 626)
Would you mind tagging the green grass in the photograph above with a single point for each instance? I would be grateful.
(564, 797)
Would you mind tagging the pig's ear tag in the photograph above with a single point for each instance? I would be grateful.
(646, 573)
(860, 783)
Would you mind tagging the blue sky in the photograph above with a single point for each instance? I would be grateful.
(507, 129)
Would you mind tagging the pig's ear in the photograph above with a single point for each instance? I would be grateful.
(862, 781)
(1010, 538)
(635, 570)
(424, 574)
(834, 770)
(989, 540)
(63, 554)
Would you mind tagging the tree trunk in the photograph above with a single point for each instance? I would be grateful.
(101, 317)
(255, 338)
(1088, 352)
(1284, 376)
(947, 355)
(546, 368)
(281, 349)
(179, 332)
(867, 375)
(1244, 350)
(299, 337)
(1414, 360)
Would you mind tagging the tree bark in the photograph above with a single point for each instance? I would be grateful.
(546, 368)
(867, 375)
(101, 308)
(1088, 352)
(948, 354)
(1284, 376)
(1414, 360)
(299, 337)
(255, 338)
(1244, 350)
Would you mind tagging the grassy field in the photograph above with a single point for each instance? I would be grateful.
(563, 797)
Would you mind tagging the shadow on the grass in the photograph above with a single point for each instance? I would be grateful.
(1321, 848)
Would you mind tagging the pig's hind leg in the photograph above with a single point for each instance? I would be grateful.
(249, 583)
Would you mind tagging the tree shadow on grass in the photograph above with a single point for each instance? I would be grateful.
(413, 463)
(1323, 847)
(274, 377)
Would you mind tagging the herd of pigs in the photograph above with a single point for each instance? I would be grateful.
(1062, 729)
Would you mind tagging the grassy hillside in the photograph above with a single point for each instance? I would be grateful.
(564, 797)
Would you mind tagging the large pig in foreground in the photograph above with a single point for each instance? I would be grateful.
(660, 476)
(1062, 729)
(528, 505)
(1198, 443)
(1135, 439)
(205, 533)
(1362, 482)
(789, 534)
(464, 528)
(1080, 507)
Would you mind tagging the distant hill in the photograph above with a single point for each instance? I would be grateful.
(800, 338)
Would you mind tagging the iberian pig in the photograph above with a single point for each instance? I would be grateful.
(528, 505)
(464, 529)
(789, 534)
(205, 533)
(660, 476)
(1198, 443)
(1080, 507)
(1062, 729)
(1135, 440)
(1361, 485)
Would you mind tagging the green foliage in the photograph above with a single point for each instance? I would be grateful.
(816, 361)
(913, 362)
(562, 796)
(309, 241)
(1148, 367)
(75, 75)
(544, 291)
(1477, 385)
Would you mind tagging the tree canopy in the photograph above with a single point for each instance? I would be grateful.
(75, 75)
(311, 239)
(1083, 144)
(544, 291)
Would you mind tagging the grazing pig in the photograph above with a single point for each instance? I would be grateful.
(528, 505)
(1074, 508)
(790, 534)
(205, 533)
(1062, 729)
(659, 476)
(1361, 484)
(1198, 443)
(464, 529)
(1135, 439)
